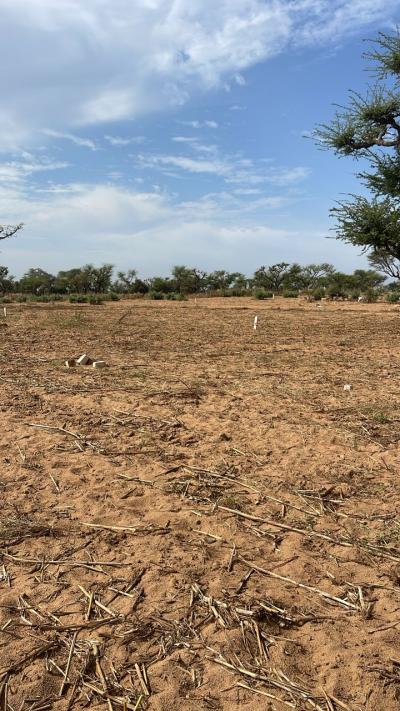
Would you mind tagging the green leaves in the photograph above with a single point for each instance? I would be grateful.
(369, 127)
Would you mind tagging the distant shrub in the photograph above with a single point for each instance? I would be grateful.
(95, 300)
(318, 294)
(336, 292)
(6, 300)
(155, 295)
(77, 299)
(112, 296)
(176, 297)
(262, 293)
(21, 299)
(233, 292)
(42, 299)
(371, 296)
(290, 294)
(355, 295)
(393, 297)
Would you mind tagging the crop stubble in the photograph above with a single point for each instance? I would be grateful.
(211, 522)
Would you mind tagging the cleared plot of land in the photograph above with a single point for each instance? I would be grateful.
(211, 522)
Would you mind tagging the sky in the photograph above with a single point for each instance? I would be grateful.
(149, 133)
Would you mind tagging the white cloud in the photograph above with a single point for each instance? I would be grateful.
(13, 172)
(151, 231)
(121, 142)
(234, 169)
(184, 139)
(82, 63)
(77, 140)
(199, 124)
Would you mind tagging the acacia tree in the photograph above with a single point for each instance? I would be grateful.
(271, 277)
(369, 129)
(7, 231)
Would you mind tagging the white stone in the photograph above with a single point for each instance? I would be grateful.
(348, 388)
(83, 359)
(99, 364)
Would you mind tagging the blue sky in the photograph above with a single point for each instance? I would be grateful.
(148, 133)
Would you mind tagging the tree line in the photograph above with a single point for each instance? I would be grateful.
(281, 278)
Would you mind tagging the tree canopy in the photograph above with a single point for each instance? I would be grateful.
(368, 129)
(7, 231)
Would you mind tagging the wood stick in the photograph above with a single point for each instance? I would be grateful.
(68, 666)
(285, 527)
(310, 588)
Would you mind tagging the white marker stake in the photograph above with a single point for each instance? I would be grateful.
(255, 322)
(5, 312)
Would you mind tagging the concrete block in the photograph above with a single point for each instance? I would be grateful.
(99, 364)
(70, 363)
(348, 388)
(83, 360)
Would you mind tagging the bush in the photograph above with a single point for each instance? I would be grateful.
(77, 299)
(336, 292)
(318, 294)
(21, 299)
(6, 300)
(262, 293)
(290, 294)
(393, 297)
(43, 299)
(155, 295)
(176, 297)
(371, 296)
(112, 296)
(355, 295)
(95, 300)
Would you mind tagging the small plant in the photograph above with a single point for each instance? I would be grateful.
(77, 299)
(262, 293)
(381, 418)
(355, 295)
(112, 296)
(290, 294)
(6, 300)
(393, 297)
(371, 296)
(336, 292)
(95, 300)
(318, 294)
(155, 295)
(21, 299)
(176, 297)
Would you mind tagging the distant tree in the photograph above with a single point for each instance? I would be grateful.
(37, 281)
(101, 278)
(221, 280)
(6, 281)
(313, 274)
(69, 281)
(188, 280)
(369, 128)
(162, 284)
(126, 281)
(272, 278)
(366, 279)
(7, 231)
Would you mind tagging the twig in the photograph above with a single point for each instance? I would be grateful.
(310, 588)
(69, 660)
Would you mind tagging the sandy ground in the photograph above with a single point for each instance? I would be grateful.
(211, 522)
